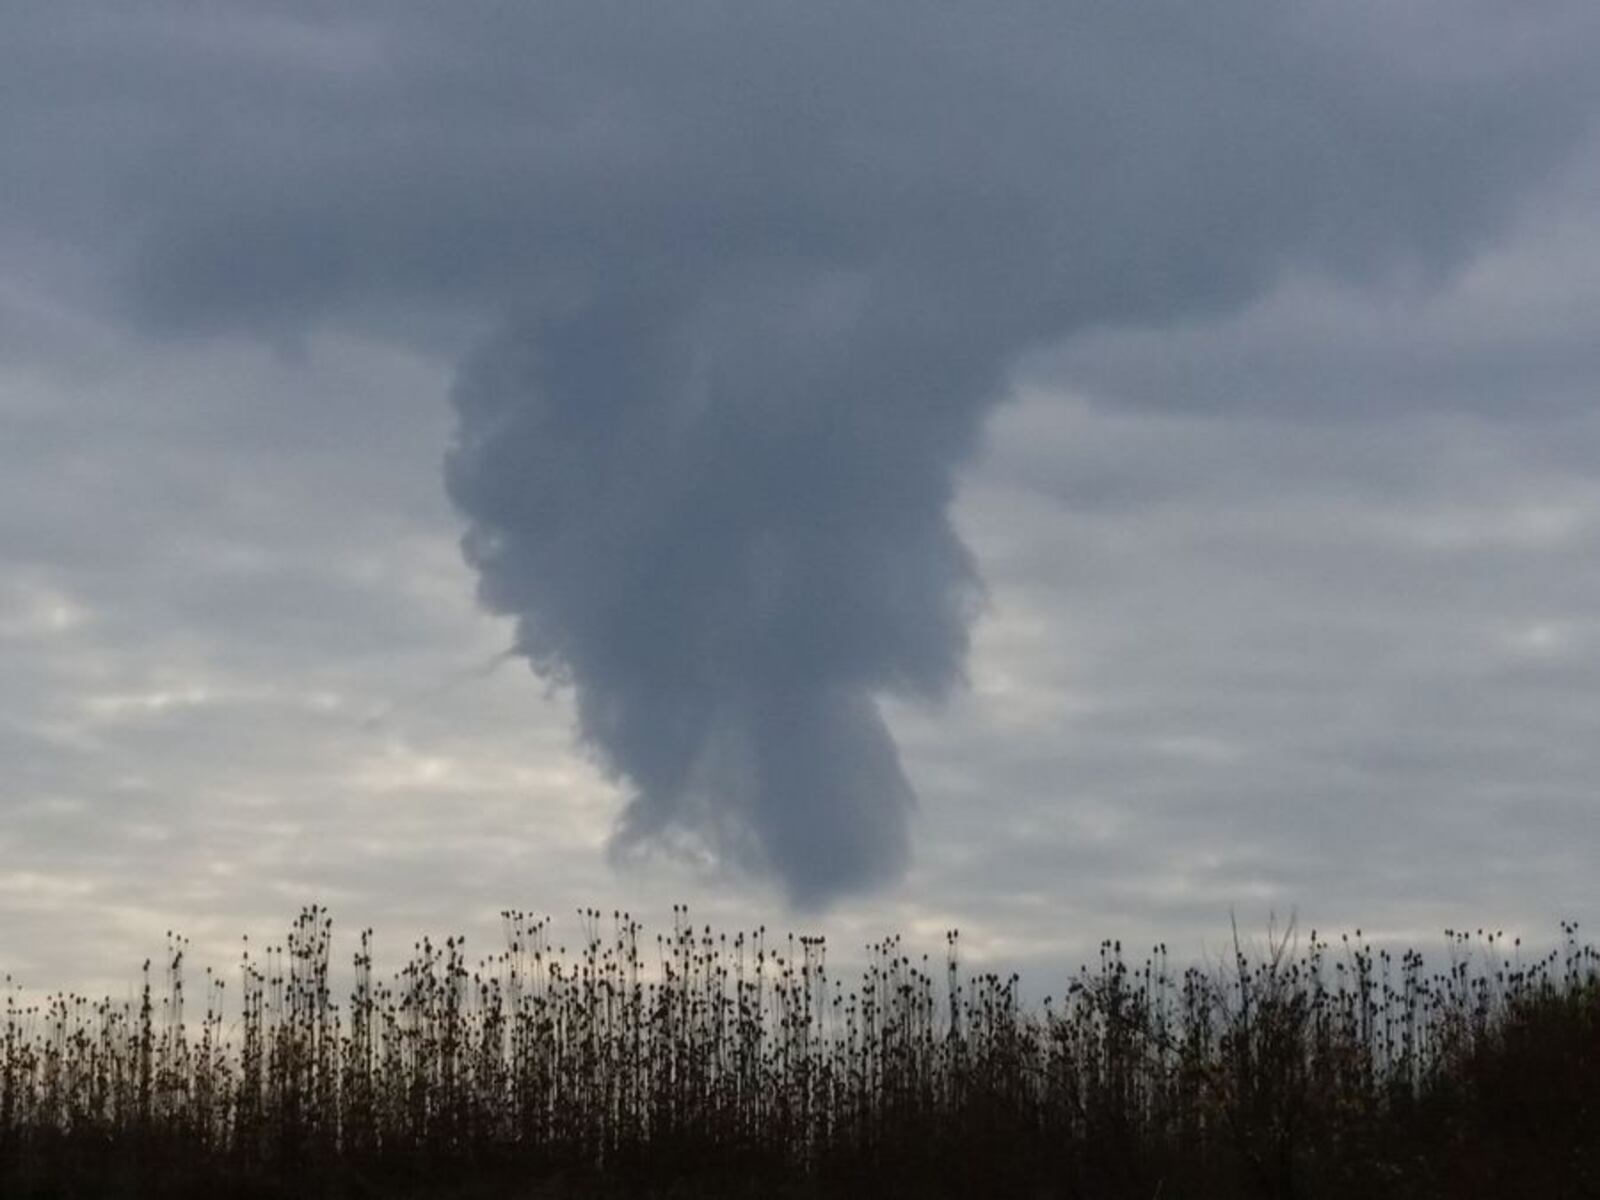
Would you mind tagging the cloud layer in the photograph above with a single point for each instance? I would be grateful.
(745, 283)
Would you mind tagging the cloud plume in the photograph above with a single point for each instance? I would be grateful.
(726, 525)
(758, 272)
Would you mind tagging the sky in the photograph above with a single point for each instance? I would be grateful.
(1060, 471)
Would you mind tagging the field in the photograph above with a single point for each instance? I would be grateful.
(703, 1064)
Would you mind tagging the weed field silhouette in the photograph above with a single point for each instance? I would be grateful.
(704, 1063)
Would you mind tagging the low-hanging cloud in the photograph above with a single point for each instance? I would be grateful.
(759, 273)
(726, 525)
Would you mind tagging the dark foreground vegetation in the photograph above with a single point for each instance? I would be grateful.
(706, 1065)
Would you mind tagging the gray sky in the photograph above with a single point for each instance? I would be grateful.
(1058, 470)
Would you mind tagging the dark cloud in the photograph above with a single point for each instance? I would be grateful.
(729, 531)
(759, 273)
(1510, 339)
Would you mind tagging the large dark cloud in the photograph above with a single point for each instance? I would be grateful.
(758, 273)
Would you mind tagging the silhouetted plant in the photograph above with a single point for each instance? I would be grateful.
(724, 1062)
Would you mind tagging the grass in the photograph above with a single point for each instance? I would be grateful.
(698, 1063)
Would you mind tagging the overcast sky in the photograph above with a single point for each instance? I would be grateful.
(1061, 470)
